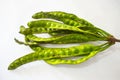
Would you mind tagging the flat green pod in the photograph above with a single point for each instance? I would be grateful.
(46, 23)
(55, 61)
(54, 28)
(66, 18)
(64, 28)
(37, 30)
(52, 53)
(68, 38)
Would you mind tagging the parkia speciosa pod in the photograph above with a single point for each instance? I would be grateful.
(64, 28)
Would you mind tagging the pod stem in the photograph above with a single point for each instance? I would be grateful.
(112, 40)
(117, 40)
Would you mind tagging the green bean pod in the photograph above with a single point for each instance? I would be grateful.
(96, 30)
(69, 38)
(66, 18)
(55, 15)
(52, 25)
(37, 30)
(48, 25)
(55, 25)
(55, 61)
(52, 53)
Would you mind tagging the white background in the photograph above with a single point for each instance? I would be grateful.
(103, 13)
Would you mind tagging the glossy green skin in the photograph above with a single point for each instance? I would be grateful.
(96, 30)
(58, 14)
(52, 53)
(85, 57)
(99, 32)
(50, 26)
(66, 18)
(41, 25)
(53, 25)
(37, 30)
(47, 23)
(69, 61)
(55, 61)
(61, 31)
(69, 38)
(70, 24)
(35, 27)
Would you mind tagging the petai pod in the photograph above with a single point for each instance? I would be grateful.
(55, 61)
(55, 25)
(66, 18)
(46, 23)
(96, 30)
(33, 30)
(53, 53)
(68, 38)
(64, 28)
(36, 30)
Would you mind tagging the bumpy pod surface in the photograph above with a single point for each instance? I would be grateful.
(47, 23)
(37, 30)
(66, 18)
(69, 38)
(64, 28)
(83, 57)
(55, 61)
(54, 25)
(52, 53)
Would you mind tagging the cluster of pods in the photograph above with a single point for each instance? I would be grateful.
(64, 28)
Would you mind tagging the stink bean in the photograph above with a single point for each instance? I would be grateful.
(33, 30)
(52, 53)
(54, 25)
(69, 38)
(71, 29)
(55, 61)
(62, 16)
(66, 18)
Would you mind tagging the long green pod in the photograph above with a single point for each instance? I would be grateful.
(85, 57)
(96, 30)
(37, 30)
(55, 61)
(46, 23)
(58, 14)
(53, 25)
(52, 60)
(69, 38)
(66, 18)
(52, 53)
(93, 30)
